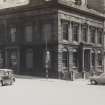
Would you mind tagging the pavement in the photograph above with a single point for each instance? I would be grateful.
(29, 90)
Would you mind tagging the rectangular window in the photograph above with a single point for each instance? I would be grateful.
(84, 33)
(99, 36)
(92, 35)
(75, 31)
(65, 59)
(99, 59)
(65, 32)
(1, 59)
(46, 32)
(28, 33)
(12, 34)
(12, 58)
(75, 59)
(93, 59)
(29, 59)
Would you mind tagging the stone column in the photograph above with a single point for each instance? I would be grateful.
(80, 34)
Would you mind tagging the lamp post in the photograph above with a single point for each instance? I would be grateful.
(47, 56)
(47, 62)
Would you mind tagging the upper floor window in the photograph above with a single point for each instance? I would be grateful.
(28, 33)
(46, 31)
(75, 31)
(99, 36)
(65, 32)
(92, 34)
(84, 33)
(12, 34)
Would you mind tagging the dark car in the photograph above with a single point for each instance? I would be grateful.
(98, 79)
(6, 77)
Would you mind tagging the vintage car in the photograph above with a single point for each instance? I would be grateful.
(6, 77)
(98, 79)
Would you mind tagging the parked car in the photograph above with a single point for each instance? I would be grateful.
(6, 77)
(98, 79)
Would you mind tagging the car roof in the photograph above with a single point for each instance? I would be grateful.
(6, 70)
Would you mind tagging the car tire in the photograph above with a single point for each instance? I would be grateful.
(93, 82)
(2, 83)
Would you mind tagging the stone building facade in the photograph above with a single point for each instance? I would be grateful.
(58, 38)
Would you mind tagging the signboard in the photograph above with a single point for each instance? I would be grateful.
(12, 3)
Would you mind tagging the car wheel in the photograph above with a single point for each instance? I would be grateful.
(2, 83)
(93, 82)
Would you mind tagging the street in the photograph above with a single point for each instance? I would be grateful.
(39, 91)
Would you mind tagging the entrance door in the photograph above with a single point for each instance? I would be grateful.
(87, 60)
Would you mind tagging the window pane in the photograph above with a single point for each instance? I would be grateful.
(65, 33)
(99, 59)
(92, 35)
(75, 59)
(12, 58)
(75, 31)
(28, 33)
(84, 33)
(99, 37)
(13, 34)
(65, 59)
(46, 32)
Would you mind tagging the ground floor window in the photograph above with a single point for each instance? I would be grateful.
(12, 58)
(99, 58)
(93, 58)
(75, 58)
(65, 59)
(1, 59)
(29, 59)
